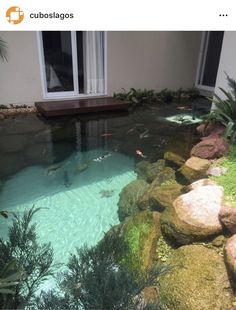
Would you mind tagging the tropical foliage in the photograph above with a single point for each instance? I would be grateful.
(30, 262)
(225, 110)
(145, 97)
(95, 280)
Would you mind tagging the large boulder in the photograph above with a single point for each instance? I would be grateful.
(227, 217)
(152, 171)
(160, 197)
(201, 182)
(140, 233)
(174, 159)
(194, 168)
(129, 196)
(194, 215)
(230, 257)
(198, 280)
(210, 129)
(210, 148)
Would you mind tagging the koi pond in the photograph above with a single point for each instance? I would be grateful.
(75, 168)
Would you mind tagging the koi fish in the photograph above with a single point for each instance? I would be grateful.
(130, 130)
(144, 134)
(140, 153)
(100, 158)
(54, 168)
(107, 135)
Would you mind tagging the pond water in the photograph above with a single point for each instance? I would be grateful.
(74, 169)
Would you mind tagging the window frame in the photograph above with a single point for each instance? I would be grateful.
(68, 94)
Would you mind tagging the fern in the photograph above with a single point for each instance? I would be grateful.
(30, 257)
(95, 280)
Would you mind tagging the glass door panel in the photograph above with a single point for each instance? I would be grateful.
(57, 51)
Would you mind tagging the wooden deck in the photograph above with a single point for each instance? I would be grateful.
(80, 106)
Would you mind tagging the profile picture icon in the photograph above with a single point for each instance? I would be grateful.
(14, 15)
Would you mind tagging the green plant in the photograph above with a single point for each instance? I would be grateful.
(35, 260)
(224, 111)
(146, 97)
(192, 93)
(3, 50)
(228, 180)
(137, 96)
(166, 95)
(95, 280)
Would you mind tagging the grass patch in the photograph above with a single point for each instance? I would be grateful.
(228, 180)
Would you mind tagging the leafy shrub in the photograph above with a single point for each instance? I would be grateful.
(35, 260)
(145, 97)
(225, 110)
(137, 96)
(95, 280)
(166, 95)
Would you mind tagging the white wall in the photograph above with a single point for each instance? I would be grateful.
(151, 60)
(20, 77)
(227, 61)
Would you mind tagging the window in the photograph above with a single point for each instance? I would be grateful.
(72, 63)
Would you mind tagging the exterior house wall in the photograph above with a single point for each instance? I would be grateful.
(227, 62)
(152, 60)
(20, 81)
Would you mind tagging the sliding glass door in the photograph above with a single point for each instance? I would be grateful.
(72, 63)
(209, 59)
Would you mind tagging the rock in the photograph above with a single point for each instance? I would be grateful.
(197, 281)
(194, 216)
(194, 168)
(140, 233)
(216, 171)
(174, 159)
(227, 217)
(218, 241)
(167, 174)
(210, 148)
(230, 256)
(150, 171)
(39, 154)
(29, 124)
(129, 196)
(13, 143)
(202, 182)
(160, 197)
(11, 163)
(210, 129)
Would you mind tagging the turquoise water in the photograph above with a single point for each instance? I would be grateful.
(51, 164)
(75, 211)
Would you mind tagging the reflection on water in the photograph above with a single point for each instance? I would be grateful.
(74, 169)
(29, 140)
